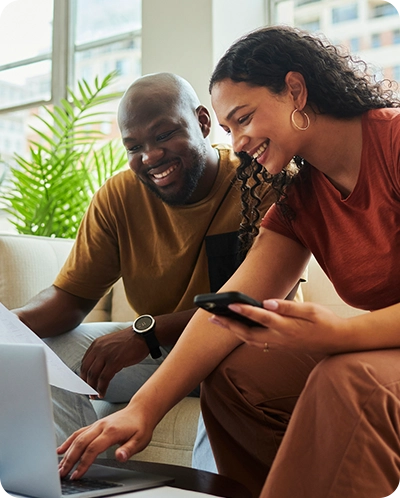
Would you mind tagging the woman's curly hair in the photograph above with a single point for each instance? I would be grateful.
(337, 84)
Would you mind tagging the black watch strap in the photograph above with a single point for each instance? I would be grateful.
(145, 325)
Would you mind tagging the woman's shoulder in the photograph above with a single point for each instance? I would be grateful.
(387, 114)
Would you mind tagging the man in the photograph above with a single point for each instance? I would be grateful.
(168, 226)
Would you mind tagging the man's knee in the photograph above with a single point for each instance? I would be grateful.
(71, 346)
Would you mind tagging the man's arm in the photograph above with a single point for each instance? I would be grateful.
(109, 354)
(54, 311)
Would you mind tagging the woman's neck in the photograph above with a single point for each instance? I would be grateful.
(334, 148)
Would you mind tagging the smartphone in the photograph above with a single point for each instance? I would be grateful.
(218, 305)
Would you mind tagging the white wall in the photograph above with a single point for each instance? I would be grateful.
(188, 37)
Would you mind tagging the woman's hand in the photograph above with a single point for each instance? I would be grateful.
(125, 427)
(290, 325)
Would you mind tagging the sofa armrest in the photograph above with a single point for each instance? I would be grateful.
(319, 289)
(29, 264)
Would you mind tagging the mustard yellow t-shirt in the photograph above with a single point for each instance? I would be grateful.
(158, 250)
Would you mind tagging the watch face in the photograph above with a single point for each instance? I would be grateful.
(144, 323)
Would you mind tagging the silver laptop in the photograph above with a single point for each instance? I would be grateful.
(28, 458)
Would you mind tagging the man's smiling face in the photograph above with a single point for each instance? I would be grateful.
(164, 142)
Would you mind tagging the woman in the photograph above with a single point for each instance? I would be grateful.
(283, 94)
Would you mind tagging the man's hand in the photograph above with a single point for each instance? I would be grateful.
(109, 354)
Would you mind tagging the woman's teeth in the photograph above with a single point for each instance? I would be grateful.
(260, 150)
(165, 173)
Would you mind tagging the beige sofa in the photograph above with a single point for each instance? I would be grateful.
(29, 264)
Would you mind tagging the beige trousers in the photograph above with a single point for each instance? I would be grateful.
(343, 439)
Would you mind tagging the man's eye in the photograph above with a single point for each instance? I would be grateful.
(135, 148)
(165, 135)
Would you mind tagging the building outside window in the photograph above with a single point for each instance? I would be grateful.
(383, 9)
(354, 45)
(100, 37)
(368, 29)
(376, 40)
(344, 13)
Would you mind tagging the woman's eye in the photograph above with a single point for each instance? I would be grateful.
(243, 119)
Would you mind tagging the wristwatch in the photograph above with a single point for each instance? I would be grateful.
(144, 325)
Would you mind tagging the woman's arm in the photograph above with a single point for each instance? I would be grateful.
(272, 268)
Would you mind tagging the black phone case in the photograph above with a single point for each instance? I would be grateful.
(218, 305)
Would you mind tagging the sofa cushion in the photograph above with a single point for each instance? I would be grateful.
(173, 438)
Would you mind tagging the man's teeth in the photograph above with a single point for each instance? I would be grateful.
(260, 150)
(165, 173)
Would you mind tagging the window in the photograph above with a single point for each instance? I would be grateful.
(304, 2)
(354, 45)
(25, 68)
(376, 40)
(363, 34)
(384, 9)
(344, 13)
(311, 25)
(396, 73)
(101, 36)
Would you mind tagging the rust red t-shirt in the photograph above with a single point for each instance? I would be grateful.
(356, 240)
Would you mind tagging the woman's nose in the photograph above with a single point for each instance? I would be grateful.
(239, 142)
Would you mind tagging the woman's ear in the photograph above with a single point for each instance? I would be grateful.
(204, 119)
(297, 88)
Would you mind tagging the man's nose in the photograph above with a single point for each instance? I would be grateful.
(152, 155)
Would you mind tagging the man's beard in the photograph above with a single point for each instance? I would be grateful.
(191, 180)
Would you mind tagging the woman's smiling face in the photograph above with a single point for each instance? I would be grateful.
(258, 121)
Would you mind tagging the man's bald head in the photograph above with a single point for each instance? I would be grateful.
(167, 89)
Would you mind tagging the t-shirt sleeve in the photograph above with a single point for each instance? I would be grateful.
(93, 265)
(396, 152)
(275, 222)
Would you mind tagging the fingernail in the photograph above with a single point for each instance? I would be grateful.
(235, 307)
(74, 475)
(124, 456)
(270, 304)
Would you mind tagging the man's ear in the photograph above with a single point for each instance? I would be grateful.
(204, 120)
(297, 88)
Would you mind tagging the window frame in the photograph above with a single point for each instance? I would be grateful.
(62, 55)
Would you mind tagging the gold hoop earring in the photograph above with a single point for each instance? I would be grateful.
(294, 122)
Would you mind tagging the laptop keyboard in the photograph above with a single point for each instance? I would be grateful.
(69, 487)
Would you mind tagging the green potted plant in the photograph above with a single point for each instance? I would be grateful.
(48, 193)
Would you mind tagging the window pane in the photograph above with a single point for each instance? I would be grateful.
(25, 84)
(25, 30)
(123, 57)
(344, 13)
(351, 24)
(96, 22)
(98, 19)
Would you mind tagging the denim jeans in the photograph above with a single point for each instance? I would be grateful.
(73, 411)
